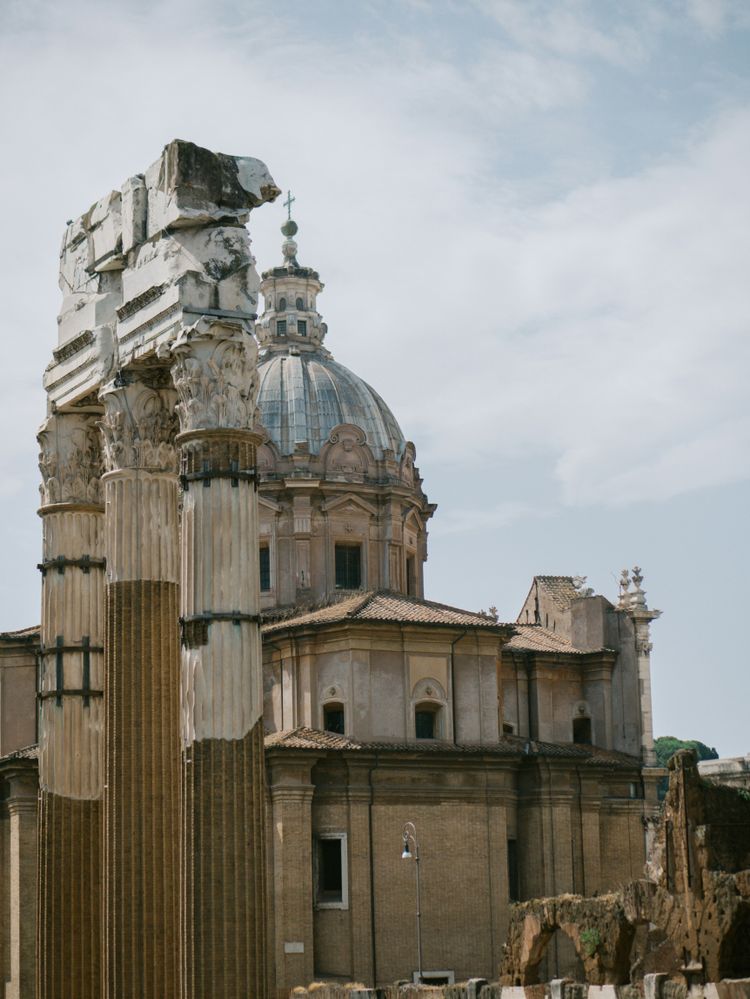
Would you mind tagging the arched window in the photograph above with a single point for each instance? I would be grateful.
(334, 719)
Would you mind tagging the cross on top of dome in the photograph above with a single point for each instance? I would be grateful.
(289, 229)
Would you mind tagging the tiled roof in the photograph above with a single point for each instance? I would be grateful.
(510, 746)
(383, 605)
(535, 638)
(28, 753)
(560, 588)
(25, 635)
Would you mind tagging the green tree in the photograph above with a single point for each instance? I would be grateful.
(667, 745)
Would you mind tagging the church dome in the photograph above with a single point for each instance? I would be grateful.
(304, 394)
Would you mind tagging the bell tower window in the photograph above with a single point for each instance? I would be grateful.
(348, 567)
(300, 303)
(282, 305)
(281, 327)
(302, 327)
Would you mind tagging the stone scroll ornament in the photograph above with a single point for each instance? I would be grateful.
(70, 459)
(139, 424)
(215, 373)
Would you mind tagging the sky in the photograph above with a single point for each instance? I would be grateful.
(532, 220)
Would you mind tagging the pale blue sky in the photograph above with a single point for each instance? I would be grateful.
(532, 219)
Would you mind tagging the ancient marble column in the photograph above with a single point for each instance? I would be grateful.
(225, 949)
(71, 713)
(141, 799)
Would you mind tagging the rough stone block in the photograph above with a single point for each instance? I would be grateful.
(134, 209)
(85, 312)
(474, 987)
(190, 186)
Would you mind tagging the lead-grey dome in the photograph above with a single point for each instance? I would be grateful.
(304, 395)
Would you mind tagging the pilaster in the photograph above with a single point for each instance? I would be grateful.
(141, 800)
(291, 803)
(635, 604)
(22, 814)
(71, 710)
(224, 872)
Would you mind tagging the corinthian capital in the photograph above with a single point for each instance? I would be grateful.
(70, 459)
(215, 372)
(139, 424)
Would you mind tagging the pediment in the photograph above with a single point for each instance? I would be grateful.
(347, 503)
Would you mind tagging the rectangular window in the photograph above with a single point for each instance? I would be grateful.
(424, 723)
(301, 327)
(411, 577)
(514, 893)
(348, 567)
(281, 327)
(333, 718)
(265, 568)
(331, 876)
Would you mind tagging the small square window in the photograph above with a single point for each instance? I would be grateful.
(425, 723)
(265, 568)
(301, 327)
(333, 718)
(281, 327)
(348, 567)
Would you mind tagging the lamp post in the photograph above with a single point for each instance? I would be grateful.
(409, 834)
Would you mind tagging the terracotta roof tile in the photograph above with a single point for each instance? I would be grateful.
(25, 635)
(27, 753)
(535, 638)
(510, 746)
(382, 605)
(560, 588)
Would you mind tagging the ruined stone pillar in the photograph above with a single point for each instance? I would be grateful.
(71, 713)
(141, 799)
(215, 376)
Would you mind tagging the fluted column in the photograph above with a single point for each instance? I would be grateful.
(224, 900)
(141, 799)
(71, 714)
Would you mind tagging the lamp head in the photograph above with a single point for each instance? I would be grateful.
(406, 853)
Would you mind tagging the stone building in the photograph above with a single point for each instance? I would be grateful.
(189, 487)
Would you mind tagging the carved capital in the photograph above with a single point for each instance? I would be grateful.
(215, 372)
(139, 424)
(70, 459)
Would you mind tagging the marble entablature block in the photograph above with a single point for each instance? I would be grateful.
(170, 244)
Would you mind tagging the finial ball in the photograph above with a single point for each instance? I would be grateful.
(289, 228)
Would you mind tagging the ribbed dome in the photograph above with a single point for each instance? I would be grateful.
(304, 395)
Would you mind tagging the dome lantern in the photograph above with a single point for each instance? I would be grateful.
(290, 318)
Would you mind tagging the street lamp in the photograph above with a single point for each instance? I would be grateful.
(409, 835)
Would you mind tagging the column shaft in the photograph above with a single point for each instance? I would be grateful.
(222, 724)
(71, 713)
(141, 800)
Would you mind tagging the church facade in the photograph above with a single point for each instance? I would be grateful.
(241, 720)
